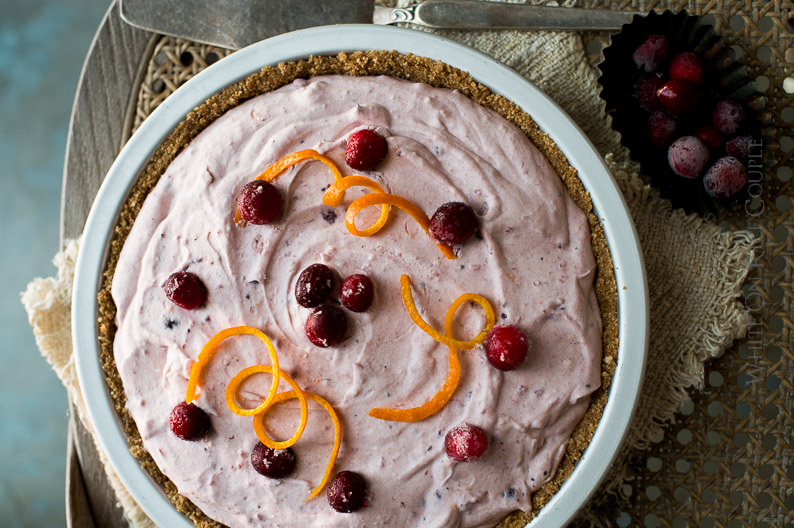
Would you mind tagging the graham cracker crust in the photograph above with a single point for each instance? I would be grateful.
(412, 68)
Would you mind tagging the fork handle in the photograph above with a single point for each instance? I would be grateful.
(472, 14)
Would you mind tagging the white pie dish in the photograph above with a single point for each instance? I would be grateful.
(607, 200)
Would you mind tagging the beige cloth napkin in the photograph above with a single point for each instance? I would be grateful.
(695, 269)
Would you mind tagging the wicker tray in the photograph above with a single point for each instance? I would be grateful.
(728, 460)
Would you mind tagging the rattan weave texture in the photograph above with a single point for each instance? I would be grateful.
(728, 461)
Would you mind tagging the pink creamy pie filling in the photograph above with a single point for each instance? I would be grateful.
(532, 260)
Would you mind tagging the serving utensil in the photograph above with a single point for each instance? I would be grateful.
(236, 23)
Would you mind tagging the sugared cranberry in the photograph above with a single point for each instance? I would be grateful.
(652, 53)
(647, 87)
(365, 149)
(185, 290)
(678, 96)
(506, 347)
(725, 178)
(356, 292)
(314, 285)
(688, 156)
(465, 443)
(739, 147)
(188, 421)
(453, 223)
(346, 492)
(709, 135)
(662, 128)
(728, 116)
(326, 326)
(687, 66)
(273, 463)
(259, 202)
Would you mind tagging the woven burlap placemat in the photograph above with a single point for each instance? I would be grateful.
(724, 459)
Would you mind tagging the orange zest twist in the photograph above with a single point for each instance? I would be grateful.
(336, 193)
(283, 396)
(209, 350)
(381, 198)
(273, 397)
(234, 385)
(431, 406)
(442, 397)
(273, 171)
(490, 317)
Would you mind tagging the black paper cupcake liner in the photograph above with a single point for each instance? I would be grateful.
(726, 78)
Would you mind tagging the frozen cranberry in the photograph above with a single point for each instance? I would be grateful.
(647, 87)
(728, 116)
(273, 463)
(259, 202)
(188, 421)
(314, 285)
(326, 326)
(356, 292)
(346, 492)
(506, 347)
(465, 443)
(709, 135)
(365, 149)
(739, 147)
(678, 96)
(453, 223)
(725, 178)
(652, 53)
(662, 128)
(687, 66)
(688, 156)
(185, 290)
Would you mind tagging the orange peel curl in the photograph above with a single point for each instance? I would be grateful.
(209, 350)
(336, 193)
(380, 198)
(490, 317)
(442, 397)
(265, 439)
(431, 406)
(234, 385)
(272, 398)
(275, 170)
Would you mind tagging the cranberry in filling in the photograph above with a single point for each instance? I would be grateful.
(506, 347)
(326, 326)
(314, 285)
(347, 491)
(185, 290)
(356, 292)
(453, 223)
(259, 202)
(188, 421)
(465, 443)
(273, 463)
(365, 149)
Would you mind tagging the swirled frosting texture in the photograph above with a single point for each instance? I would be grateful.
(532, 260)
